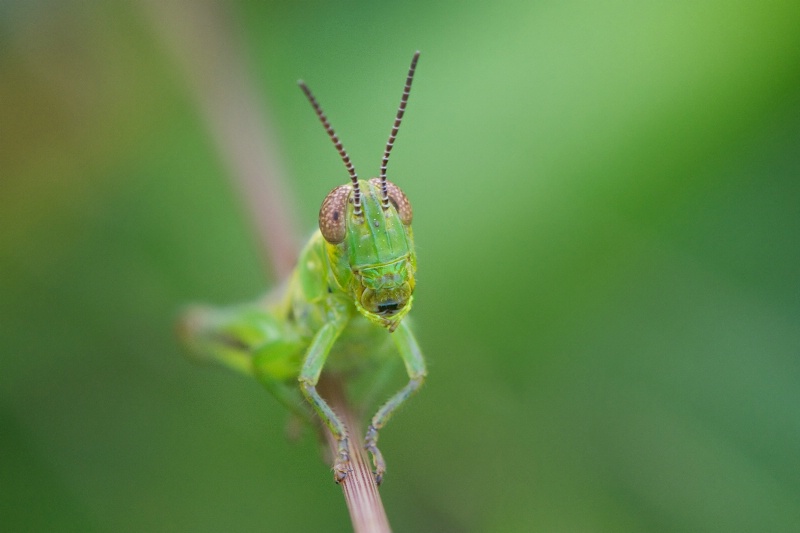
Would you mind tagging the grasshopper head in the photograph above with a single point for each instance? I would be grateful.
(377, 245)
(367, 225)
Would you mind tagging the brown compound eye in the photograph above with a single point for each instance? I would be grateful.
(398, 199)
(332, 214)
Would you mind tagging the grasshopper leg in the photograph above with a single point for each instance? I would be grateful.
(415, 367)
(250, 340)
(309, 377)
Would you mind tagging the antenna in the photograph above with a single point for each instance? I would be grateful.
(338, 144)
(393, 135)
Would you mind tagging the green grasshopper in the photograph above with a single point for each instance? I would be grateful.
(350, 290)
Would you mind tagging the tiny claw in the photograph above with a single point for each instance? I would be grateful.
(339, 473)
(341, 469)
(371, 445)
(342, 465)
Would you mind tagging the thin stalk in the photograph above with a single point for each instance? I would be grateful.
(360, 491)
(203, 39)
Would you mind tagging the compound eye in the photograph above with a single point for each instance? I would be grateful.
(332, 214)
(398, 199)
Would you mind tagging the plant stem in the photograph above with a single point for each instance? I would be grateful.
(360, 491)
(202, 36)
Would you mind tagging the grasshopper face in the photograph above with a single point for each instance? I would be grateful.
(379, 247)
(368, 223)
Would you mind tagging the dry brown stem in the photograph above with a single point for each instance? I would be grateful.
(202, 37)
(360, 491)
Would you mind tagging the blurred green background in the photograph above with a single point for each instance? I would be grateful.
(607, 214)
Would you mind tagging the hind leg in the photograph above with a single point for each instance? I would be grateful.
(250, 340)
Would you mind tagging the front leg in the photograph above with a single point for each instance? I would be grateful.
(314, 360)
(415, 367)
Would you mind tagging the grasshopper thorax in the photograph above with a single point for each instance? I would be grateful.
(368, 224)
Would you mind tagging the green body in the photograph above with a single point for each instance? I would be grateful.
(339, 311)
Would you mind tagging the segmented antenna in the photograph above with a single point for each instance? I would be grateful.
(393, 135)
(338, 144)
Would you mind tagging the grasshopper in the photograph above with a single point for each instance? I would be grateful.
(349, 292)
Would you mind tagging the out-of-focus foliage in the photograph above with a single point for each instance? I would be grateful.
(607, 210)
